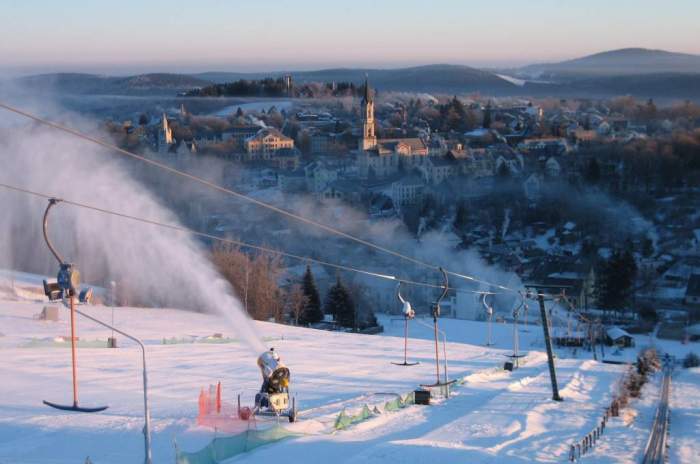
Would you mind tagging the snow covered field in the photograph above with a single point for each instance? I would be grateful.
(494, 416)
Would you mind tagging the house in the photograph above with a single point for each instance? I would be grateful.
(617, 336)
(692, 293)
(436, 170)
(342, 189)
(556, 275)
(238, 134)
(292, 181)
(545, 147)
(286, 159)
(407, 191)
(267, 141)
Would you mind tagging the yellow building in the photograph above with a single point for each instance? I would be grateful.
(267, 141)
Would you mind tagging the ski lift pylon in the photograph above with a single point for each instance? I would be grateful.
(436, 314)
(68, 281)
(408, 314)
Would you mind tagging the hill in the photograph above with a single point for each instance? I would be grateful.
(492, 416)
(92, 84)
(441, 78)
(627, 61)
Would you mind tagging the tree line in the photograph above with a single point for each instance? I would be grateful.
(255, 281)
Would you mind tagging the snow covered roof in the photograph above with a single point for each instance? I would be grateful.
(616, 333)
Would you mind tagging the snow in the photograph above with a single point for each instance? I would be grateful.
(493, 416)
(685, 416)
(512, 80)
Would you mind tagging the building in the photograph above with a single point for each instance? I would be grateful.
(369, 137)
(384, 157)
(165, 136)
(559, 275)
(617, 336)
(692, 293)
(267, 141)
(407, 191)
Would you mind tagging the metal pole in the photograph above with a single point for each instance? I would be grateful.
(405, 341)
(147, 414)
(444, 352)
(437, 356)
(74, 361)
(548, 344)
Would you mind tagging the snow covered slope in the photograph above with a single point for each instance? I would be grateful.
(495, 416)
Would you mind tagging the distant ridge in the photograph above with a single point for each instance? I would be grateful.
(93, 84)
(626, 61)
(443, 78)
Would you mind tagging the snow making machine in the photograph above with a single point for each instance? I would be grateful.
(273, 399)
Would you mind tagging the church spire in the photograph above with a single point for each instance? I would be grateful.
(369, 137)
(367, 96)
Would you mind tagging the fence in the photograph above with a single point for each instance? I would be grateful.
(345, 420)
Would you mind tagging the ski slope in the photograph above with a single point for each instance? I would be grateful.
(494, 416)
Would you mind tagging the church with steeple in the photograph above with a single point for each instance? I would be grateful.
(382, 157)
(369, 136)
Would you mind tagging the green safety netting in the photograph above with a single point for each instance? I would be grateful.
(223, 448)
(345, 420)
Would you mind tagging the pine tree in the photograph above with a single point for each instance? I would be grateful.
(312, 309)
(592, 173)
(462, 216)
(341, 305)
(616, 279)
(487, 117)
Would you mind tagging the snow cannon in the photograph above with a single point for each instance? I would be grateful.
(406, 308)
(273, 398)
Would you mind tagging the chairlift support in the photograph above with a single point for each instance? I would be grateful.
(489, 312)
(515, 357)
(408, 313)
(436, 314)
(68, 281)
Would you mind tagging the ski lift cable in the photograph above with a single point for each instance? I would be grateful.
(239, 242)
(241, 196)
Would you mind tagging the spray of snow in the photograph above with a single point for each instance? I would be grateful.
(155, 267)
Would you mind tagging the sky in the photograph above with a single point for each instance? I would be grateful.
(127, 36)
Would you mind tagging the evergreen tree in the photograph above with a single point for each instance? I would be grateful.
(616, 279)
(487, 117)
(311, 313)
(592, 173)
(462, 216)
(341, 305)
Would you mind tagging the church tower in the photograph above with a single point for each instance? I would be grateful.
(165, 136)
(369, 138)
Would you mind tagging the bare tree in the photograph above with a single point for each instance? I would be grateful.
(296, 301)
(254, 279)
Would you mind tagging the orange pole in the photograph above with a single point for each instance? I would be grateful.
(218, 398)
(72, 349)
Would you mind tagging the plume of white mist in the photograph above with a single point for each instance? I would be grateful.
(157, 266)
